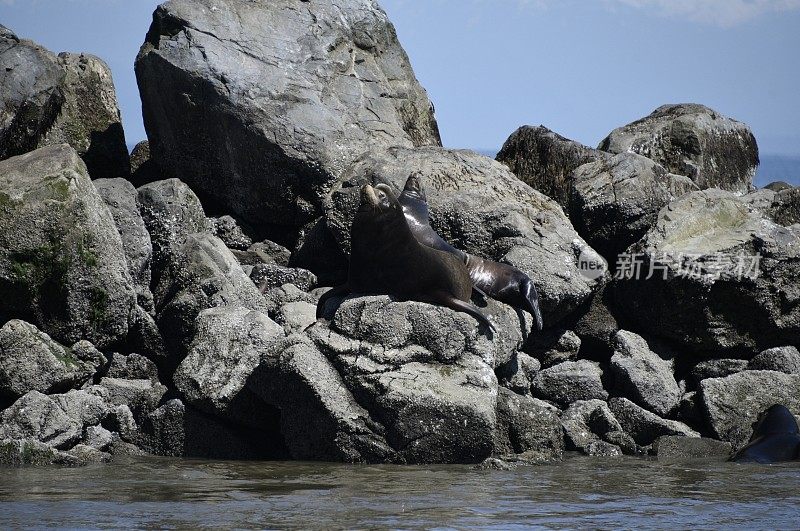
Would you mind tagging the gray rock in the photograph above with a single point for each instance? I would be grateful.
(692, 140)
(518, 373)
(570, 381)
(264, 252)
(98, 437)
(424, 371)
(227, 347)
(614, 201)
(585, 421)
(143, 169)
(782, 359)
(732, 404)
(204, 275)
(31, 361)
(228, 230)
(56, 420)
(343, 86)
(679, 447)
(545, 160)
(62, 265)
(268, 276)
(49, 100)
(479, 206)
(141, 396)
(643, 376)
(525, 424)
(86, 455)
(781, 205)
(132, 367)
(554, 346)
(276, 298)
(171, 212)
(597, 326)
(121, 199)
(177, 430)
(30, 452)
(734, 271)
(644, 426)
(717, 368)
(320, 418)
(602, 449)
(295, 316)
(140, 155)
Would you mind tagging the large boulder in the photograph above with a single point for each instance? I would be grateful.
(479, 206)
(261, 105)
(227, 347)
(31, 361)
(424, 373)
(722, 277)
(204, 274)
(49, 100)
(62, 264)
(689, 139)
(570, 381)
(545, 160)
(121, 199)
(732, 404)
(615, 200)
(645, 427)
(644, 376)
(171, 212)
(527, 426)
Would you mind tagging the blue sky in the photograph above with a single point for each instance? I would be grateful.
(580, 67)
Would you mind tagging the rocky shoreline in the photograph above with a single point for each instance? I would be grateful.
(132, 321)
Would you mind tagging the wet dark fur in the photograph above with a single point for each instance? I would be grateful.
(502, 282)
(776, 438)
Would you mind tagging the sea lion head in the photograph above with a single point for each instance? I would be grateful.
(379, 198)
(413, 187)
(776, 419)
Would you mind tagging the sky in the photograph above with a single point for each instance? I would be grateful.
(579, 67)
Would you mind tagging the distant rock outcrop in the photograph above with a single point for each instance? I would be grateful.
(49, 100)
(692, 140)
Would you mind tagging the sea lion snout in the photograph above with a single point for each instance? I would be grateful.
(368, 196)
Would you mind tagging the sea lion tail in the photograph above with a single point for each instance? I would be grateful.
(531, 297)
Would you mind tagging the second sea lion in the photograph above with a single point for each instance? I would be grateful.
(502, 282)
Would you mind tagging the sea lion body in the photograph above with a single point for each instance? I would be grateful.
(502, 282)
(386, 259)
(775, 439)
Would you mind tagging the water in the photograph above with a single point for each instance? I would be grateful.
(581, 492)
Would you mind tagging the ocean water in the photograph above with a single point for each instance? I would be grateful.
(581, 492)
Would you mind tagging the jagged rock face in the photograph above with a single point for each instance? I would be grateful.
(781, 359)
(527, 425)
(782, 205)
(31, 361)
(49, 100)
(423, 372)
(171, 212)
(570, 381)
(480, 207)
(62, 264)
(732, 404)
(692, 140)
(545, 160)
(704, 292)
(615, 200)
(226, 348)
(203, 275)
(644, 426)
(261, 105)
(643, 375)
(120, 197)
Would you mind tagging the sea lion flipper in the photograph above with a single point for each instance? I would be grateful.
(344, 289)
(531, 297)
(445, 299)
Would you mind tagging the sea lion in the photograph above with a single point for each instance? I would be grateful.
(386, 259)
(501, 282)
(776, 438)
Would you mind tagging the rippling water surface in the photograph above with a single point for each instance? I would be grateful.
(581, 492)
